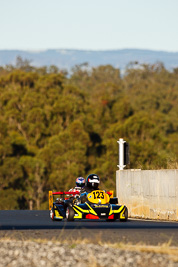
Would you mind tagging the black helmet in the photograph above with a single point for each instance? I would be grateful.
(93, 181)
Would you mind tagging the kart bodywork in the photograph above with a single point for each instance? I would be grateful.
(98, 205)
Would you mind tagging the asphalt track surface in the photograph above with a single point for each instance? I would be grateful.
(25, 224)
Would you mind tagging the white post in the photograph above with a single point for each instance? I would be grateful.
(121, 154)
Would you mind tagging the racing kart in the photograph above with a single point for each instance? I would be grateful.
(58, 206)
(97, 205)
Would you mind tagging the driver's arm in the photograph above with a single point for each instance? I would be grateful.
(83, 197)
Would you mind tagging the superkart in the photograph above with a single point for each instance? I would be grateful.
(96, 205)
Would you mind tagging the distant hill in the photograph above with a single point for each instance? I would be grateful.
(68, 58)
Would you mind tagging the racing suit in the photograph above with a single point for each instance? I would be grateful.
(75, 198)
(75, 189)
(87, 189)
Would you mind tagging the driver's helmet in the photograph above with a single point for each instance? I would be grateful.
(80, 182)
(93, 181)
(59, 200)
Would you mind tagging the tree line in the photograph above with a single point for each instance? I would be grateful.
(55, 127)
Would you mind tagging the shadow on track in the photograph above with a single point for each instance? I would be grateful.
(39, 220)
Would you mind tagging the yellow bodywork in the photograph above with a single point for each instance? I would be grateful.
(57, 215)
(116, 211)
(78, 210)
(98, 197)
(50, 200)
(112, 193)
(122, 215)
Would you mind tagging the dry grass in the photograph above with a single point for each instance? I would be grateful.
(160, 249)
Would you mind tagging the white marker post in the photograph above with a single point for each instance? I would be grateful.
(121, 154)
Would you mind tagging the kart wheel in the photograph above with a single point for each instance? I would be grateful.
(52, 214)
(125, 215)
(70, 214)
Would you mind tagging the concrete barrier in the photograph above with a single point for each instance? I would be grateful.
(149, 194)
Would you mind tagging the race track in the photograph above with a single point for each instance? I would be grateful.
(24, 224)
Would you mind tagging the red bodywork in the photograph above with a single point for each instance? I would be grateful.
(73, 193)
(111, 217)
(91, 216)
(66, 193)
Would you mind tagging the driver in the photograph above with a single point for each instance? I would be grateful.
(80, 183)
(92, 183)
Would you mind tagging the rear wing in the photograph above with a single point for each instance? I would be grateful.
(110, 193)
(63, 193)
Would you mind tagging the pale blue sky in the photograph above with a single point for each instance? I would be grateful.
(91, 25)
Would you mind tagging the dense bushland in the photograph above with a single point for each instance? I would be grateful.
(55, 127)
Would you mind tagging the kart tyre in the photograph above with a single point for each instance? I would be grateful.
(125, 214)
(52, 214)
(70, 214)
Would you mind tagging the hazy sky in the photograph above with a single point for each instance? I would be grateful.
(91, 25)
